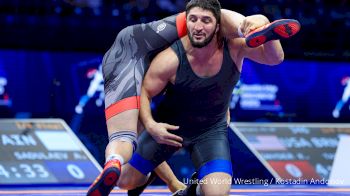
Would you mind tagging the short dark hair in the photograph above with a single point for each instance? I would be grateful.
(211, 5)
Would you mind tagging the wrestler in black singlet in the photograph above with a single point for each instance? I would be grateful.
(199, 106)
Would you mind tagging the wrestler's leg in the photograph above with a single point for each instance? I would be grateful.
(122, 142)
(125, 121)
(163, 171)
(147, 157)
(123, 71)
(123, 77)
(131, 178)
(219, 183)
(119, 150)
(166, 174)
(211, 157)
(125, 149)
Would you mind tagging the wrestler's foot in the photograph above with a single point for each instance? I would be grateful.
(106, 181)
(138, 190)
(190, 189)
(279, 29)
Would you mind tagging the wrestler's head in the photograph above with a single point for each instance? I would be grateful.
(202, 21)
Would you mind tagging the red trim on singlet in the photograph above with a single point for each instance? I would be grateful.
(181, 24)
(122, 106)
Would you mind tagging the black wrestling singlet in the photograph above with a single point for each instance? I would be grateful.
(196, 103)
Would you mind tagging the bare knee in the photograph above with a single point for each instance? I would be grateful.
(213, 189)
(126, 120)
(217, 183)
(131, 178)
(127, 183)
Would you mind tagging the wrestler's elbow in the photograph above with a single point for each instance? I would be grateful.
(146, 93)
(278, 59)
(275, 58)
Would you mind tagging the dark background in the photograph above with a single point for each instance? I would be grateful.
(92, 25)
(48, 47)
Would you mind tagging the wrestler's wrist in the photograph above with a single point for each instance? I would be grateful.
(149, 123)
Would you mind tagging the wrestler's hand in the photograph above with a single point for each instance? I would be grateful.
(159, 132)
(250, 23)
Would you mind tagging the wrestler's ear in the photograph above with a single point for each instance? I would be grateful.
(217, 28)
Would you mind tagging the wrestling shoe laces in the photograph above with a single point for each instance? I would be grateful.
(279, 29)
(106, 181)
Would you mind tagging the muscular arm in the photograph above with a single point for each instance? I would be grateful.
(161, 71)
(270, 53)
(162, 68)
(230, 22)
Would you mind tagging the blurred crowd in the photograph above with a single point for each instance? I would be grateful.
(325, 24)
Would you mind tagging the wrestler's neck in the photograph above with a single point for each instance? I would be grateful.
(206, 61)
(205, 52)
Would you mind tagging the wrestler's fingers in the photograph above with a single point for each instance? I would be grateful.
(245, 28)
(172, 143)
(174, 137)
(171, 127)
(244, 31)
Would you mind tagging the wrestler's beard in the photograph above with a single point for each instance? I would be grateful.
(203, 43)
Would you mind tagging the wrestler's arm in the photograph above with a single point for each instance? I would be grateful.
(235, 25)
(161, 71)
(270, 53)
(231, 21)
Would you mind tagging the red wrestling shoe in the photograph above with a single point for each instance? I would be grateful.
(106, 181)
(279, 29)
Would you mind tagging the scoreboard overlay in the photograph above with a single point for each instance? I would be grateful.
(45, 152)
(294, 152)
